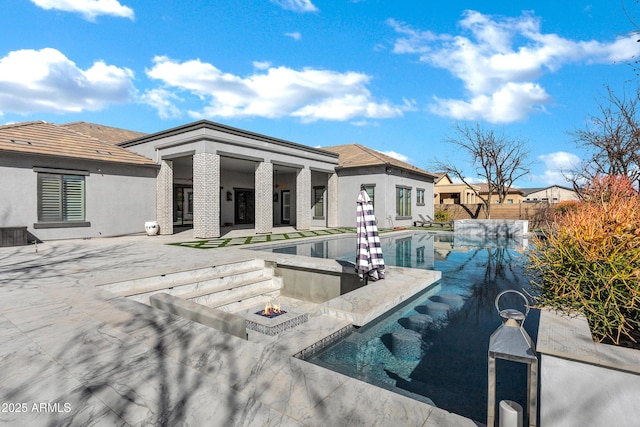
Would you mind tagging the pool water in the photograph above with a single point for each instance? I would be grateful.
(413, 250)
(450, 368)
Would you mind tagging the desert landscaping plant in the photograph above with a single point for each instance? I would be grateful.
(442, 216)
(590, 262)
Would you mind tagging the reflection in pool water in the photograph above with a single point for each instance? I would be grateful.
(450, 366)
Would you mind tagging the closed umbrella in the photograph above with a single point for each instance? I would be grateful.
(369, 261)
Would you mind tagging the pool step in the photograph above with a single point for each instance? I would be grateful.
(216, 285)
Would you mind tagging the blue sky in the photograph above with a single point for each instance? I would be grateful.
(394, 76)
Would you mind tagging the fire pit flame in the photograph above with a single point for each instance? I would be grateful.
(271, 310)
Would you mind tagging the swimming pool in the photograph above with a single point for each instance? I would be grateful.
(450, 370)
(417, 249)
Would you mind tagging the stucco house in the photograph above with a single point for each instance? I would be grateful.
(551, 194)
(514, 195)
(60, 183)
(83, 180)
(401, 192)
(448, 193)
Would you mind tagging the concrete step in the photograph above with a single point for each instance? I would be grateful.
(238, 293)
(252, 302)
(227, 279)
(186, 276)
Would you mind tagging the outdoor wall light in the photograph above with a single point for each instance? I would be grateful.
(229, 196)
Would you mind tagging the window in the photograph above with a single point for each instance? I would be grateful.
(61, 198)
(403, 202)
(318, 202)
(420, 196)
(371, 191)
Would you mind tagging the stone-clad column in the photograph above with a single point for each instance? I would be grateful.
(332, 200)
(206, 195)
(164, 197)
(303, 199)
(264, 197)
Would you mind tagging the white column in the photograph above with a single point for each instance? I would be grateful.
(332, 200)
(264, 198)
(164, 197)
(206, 195)
(303, 199)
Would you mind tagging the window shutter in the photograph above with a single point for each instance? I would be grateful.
(73, 197)
(50, 207)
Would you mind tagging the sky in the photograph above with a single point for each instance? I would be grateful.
(393, 76)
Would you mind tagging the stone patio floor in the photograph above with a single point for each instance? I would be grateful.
(71, 354)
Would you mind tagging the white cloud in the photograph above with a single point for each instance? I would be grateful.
(512, 102)
(261, 65)
(163, 101)
(89, 9)
(498, 59)
(47, 81)
(297, 5)
(309, 94)
(558, 166)
(295, 35)
(397, 156)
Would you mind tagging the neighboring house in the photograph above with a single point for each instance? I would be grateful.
(551, 194)
(212, 175)
(401, 192)
(448, 193)
(514, 196)
(61, 184)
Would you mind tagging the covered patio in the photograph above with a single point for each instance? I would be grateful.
(213, 176)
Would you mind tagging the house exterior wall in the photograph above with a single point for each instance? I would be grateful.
(119, 199)
(453, 194)
(385, 195)
(552, 194)
(512, 198)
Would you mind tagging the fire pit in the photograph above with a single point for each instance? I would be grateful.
(272, 320)
(271, 310)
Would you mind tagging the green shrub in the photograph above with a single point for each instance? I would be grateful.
(590, 263)
(442, 216)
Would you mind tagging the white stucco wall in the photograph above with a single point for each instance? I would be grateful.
(385, 195)
(552, 194)
(119, 199)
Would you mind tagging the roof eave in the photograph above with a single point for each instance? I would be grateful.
(58, 156)
(206, 124)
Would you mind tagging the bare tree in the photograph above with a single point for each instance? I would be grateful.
(611, 139)
(495, 158)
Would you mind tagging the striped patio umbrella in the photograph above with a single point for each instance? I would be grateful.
(369, 261)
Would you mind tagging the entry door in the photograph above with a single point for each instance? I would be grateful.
(245, 207)
(187, 207)
(286, 207)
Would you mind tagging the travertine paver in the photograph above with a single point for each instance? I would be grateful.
(91, 358)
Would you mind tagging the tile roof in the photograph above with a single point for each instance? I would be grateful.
(102, 132)
(484, 188)
(356, 155)
(44, 138)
